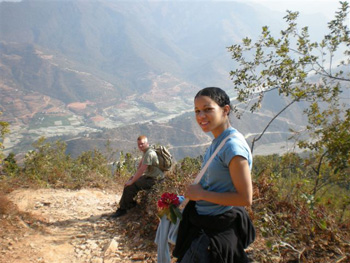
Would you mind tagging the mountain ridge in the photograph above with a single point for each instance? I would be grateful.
(101, 65)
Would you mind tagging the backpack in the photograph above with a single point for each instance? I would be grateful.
(164, 157)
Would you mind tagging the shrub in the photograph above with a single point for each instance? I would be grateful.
(10, 167)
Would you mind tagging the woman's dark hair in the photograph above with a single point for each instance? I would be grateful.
(217, 95)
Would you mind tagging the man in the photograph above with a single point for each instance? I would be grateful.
(147, 174)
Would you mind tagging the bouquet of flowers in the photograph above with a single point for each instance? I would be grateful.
(168, 205)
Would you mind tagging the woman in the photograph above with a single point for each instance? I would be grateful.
(215, 226)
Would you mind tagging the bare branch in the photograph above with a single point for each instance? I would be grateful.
(268, 125)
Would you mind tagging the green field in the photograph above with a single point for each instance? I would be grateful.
(44, 121)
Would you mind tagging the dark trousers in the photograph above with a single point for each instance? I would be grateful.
(198, 251)
(129, 192)
(229, 234)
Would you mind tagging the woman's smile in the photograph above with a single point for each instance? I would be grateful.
(204, 124)
(209, 115)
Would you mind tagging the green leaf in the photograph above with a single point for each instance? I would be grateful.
(178, 213)
(322, 224)
(172, 214)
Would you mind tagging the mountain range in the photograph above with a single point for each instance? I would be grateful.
(89, 72)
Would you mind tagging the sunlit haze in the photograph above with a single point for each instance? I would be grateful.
(326, 7)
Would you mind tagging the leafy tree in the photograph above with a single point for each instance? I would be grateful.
(109, 152)
(266, 164)
(330, 145)
(92, 161)
(48, 162)
(49, 165)
(4, 129)
(10, 166)
(188, 166)
(302, 70)
(127, 164)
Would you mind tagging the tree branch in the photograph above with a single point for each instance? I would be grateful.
(268, 125)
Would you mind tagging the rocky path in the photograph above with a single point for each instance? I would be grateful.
(65, 227)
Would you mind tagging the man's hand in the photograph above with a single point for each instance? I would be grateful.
(137, 175)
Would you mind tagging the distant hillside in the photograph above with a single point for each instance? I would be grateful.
(126, 44)
(184, 137)
(73, 68)
(29, 69)
(126, 41)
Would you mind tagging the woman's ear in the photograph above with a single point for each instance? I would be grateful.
(227, 109)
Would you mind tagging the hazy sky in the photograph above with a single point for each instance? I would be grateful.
(326, 7)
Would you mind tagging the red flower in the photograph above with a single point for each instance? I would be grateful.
(168, 205)
(168, 199)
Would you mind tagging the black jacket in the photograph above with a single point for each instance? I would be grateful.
(229, 233)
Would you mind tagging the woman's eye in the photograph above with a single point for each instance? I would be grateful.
(206, 110)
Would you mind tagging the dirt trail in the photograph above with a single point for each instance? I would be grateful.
(66, 227)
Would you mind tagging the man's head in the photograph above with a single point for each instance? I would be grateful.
(142, 143)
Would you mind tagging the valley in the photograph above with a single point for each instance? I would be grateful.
(68, 74)
(165, 115)
(128, 120)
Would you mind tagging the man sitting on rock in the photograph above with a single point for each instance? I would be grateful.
(147, 174)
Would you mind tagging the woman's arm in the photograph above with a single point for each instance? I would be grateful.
(240, 175)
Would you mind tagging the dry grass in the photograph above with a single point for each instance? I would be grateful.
(6, 207)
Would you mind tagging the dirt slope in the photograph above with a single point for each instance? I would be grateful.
(62, 226)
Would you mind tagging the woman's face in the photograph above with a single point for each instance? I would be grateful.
(210, 116)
